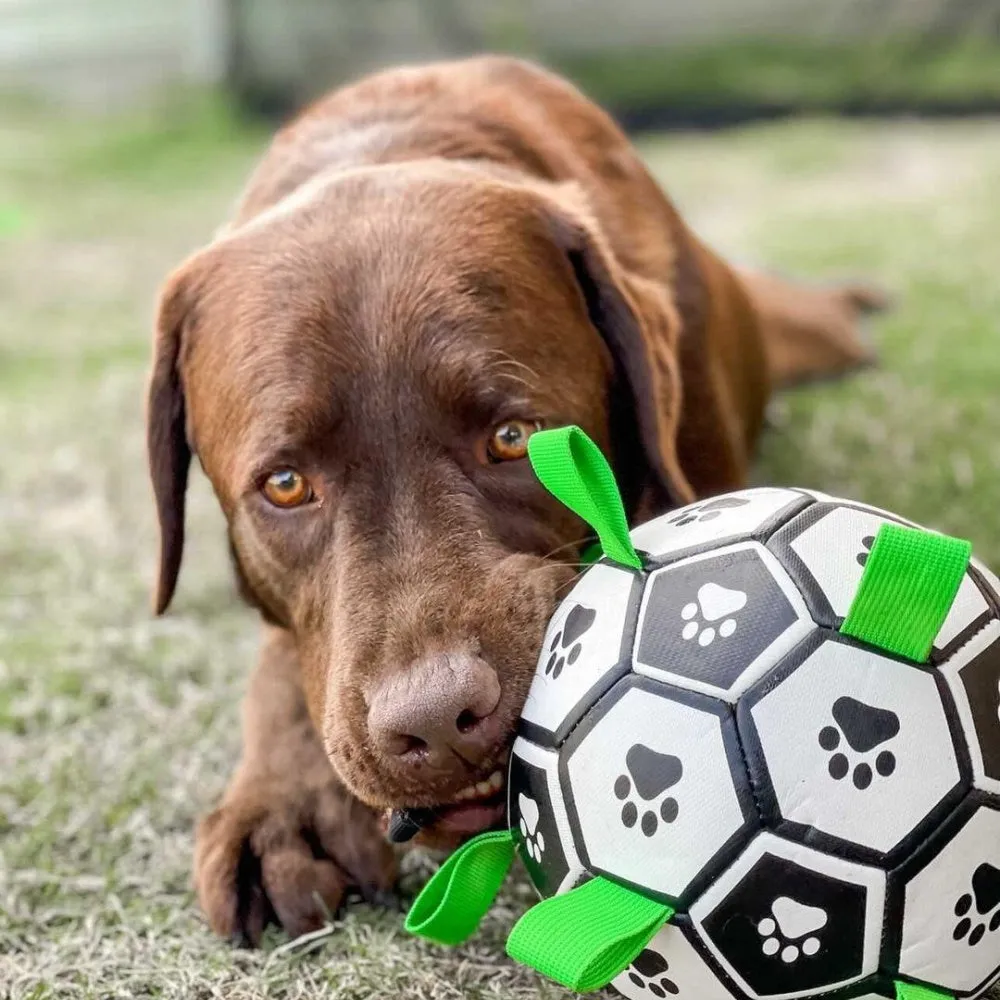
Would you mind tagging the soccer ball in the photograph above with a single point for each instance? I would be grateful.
(824, 817)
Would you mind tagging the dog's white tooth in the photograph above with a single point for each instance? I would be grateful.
(496, 781)
(484, 788)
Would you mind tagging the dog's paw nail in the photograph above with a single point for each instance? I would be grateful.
(240, 939)
(384, 898)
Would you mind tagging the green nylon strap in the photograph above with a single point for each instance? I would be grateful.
(911, 991)
(451, 905)
(908, 587)
(587, 936)
(572, 468)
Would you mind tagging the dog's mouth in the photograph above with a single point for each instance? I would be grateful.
(472, 810)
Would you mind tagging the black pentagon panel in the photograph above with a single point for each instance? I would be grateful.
(785, 920)
(538, 821)
(718, 622)
(825, 550)
(973, 675)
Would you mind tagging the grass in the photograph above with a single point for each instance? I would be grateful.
(117, 730)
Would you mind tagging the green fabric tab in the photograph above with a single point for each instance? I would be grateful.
(908, 587)
(456, 899)
(572, 468)
(911, 991)
(587, 936)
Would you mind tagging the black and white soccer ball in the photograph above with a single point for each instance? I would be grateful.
(825, 818)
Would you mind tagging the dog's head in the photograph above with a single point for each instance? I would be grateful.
(358, 371)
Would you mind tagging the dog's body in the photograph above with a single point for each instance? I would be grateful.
(424, 267)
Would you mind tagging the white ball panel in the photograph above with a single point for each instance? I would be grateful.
(970, 606)
(827, 910)
(973, 675)
(835, 550)
(992, 580)
(857, 745)
(582, 643)
(674, 966)
(652, 791)
(731, 516)
(817, 495)
(956, 894)
(717, 622)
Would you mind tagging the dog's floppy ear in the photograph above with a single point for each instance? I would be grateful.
(640, 326)
(166, 432)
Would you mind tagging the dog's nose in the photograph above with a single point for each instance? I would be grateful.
(440, 708)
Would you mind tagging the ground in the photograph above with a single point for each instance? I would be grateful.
(118, 729)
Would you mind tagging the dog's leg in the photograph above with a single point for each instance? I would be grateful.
(288, 841)
(812, 332)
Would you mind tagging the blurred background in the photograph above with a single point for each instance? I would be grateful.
(824, 138)
(651, 61)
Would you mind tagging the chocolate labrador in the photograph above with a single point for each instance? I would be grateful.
(426, 267)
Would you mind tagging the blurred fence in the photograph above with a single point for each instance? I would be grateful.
(637, 55)
(97, 52)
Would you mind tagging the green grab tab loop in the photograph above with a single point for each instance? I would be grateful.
(571, 467)
(909, 585)
(911, 991)
(587, 936)
(452, 904)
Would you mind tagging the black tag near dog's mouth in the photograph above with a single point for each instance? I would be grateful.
(405, 824)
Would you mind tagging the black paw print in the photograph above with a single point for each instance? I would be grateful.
(865, 727)
(707, 511)
(649, 972)
(985, 895)
(650, 774)
(866, 550)
(578, 621)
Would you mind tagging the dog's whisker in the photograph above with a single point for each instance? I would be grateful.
(566, 545)
(505, 360)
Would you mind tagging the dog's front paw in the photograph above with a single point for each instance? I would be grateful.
(289, 855)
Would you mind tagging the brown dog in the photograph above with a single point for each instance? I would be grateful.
(426, 267)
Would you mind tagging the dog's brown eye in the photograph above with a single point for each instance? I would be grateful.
(287, 488)
(509, 440)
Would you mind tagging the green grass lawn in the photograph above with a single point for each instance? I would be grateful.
(117, 730)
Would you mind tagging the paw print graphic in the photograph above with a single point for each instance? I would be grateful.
(865, 728)
(866, 550)
(707, 511)
(649, 972)
(650, 774)
(565, 647)
(714, 604)
(985, 896)
(534, 839)
(791, 930)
